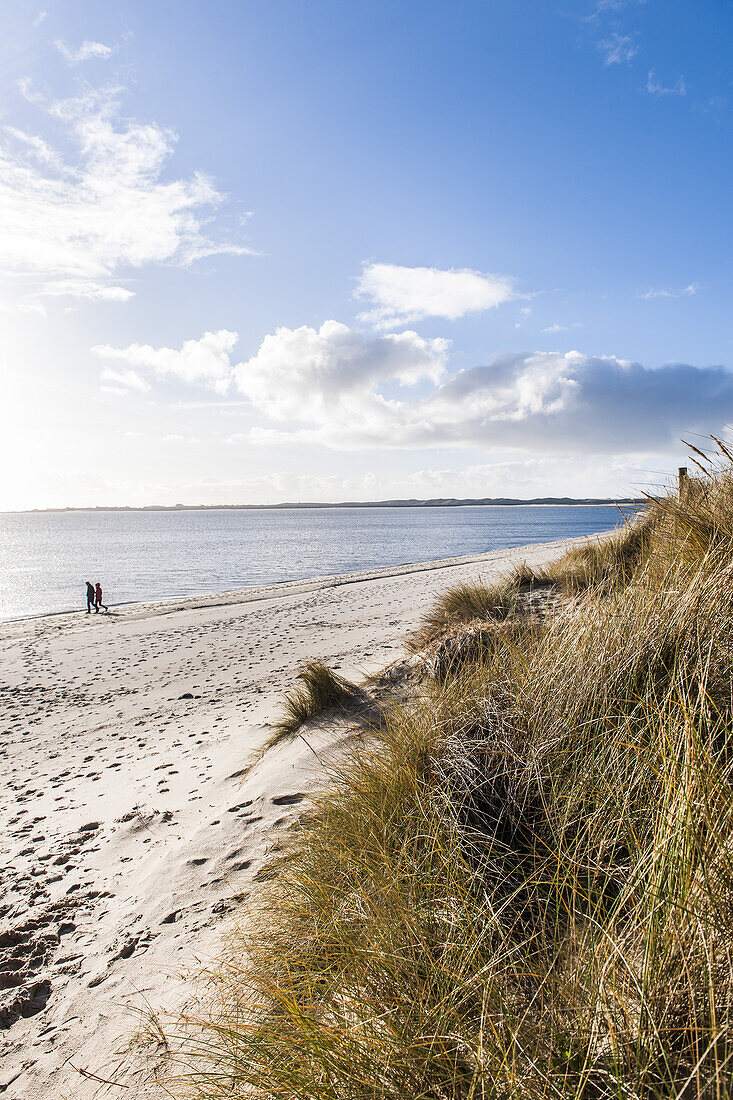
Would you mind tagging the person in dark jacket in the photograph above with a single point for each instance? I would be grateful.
(91, 597)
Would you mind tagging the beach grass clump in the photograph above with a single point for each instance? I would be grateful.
(521, 885)
(455, 649)
(477, 601)
(467, 602)
(320, 689)
(608, 561)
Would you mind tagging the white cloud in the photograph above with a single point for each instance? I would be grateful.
(73, 225)
(203, 361)
(402, 295)
(128, 379)
(555, 475)
(655, 86)
(39, 18)
(334, 387)
(298, 373)
(686, 292)
(562, 328)
(80, 288)
(336, 375)
(350, 390)
(84, 52)
(37, 147)
(618, 49)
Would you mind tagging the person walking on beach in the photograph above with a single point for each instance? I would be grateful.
(91, 597)
(98, 599)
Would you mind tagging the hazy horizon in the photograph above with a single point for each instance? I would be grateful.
(394, 502)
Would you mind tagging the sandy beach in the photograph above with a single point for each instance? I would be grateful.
(131, 826)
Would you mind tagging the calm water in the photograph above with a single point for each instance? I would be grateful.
(46, 558)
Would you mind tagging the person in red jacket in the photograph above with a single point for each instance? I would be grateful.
(98, 601)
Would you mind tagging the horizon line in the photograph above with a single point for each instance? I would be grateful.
(394, 502)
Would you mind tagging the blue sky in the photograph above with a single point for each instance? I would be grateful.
(438, 248)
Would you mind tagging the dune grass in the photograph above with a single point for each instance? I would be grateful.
(522, 886)
(607, 562)
(320, 689)
(476, 601)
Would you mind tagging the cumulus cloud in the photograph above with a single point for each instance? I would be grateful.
(336, 375)
(543, 401)
(83, 52)
(618, 49)
(655, 86)
(205, 361)
(349, 390)
(296, 373)
(72, 225)
(401, 295)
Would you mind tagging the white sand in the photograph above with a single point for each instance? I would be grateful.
(106, 904)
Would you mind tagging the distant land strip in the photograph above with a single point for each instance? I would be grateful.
(435, 502)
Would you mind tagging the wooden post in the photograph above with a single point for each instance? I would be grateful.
(683, 482)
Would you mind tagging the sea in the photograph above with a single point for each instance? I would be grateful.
(46, 557)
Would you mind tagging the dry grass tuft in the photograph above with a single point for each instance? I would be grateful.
(320, 689)
(610, 560)
(478, 602)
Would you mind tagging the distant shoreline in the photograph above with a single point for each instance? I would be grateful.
(437, 502)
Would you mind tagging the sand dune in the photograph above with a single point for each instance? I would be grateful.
(129, 827)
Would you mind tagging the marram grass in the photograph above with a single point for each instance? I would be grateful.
(477, 601)
(522, 886)
(320, 689)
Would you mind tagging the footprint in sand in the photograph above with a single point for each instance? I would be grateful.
(287, 799)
